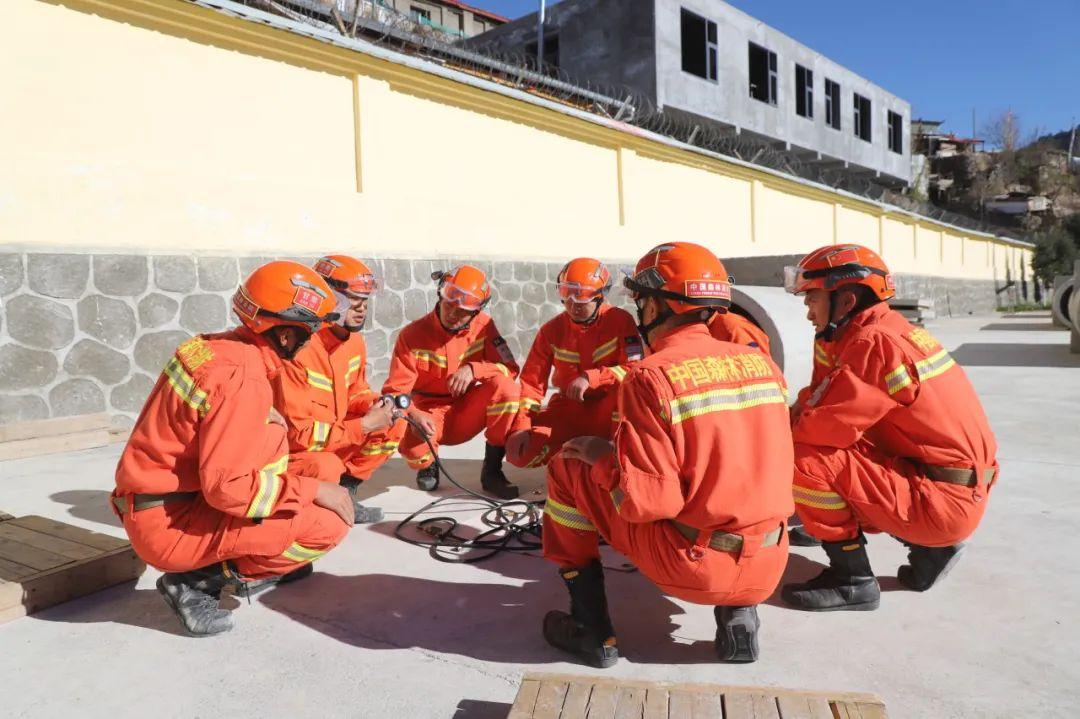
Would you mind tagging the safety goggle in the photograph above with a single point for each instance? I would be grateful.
(464, 299)
(579, 293)
(797, 280)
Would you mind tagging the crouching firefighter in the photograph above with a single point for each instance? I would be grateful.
(462, 377)
(337, 424)
(696, 485)
(203, 487)
(589, 347)
(890, 438)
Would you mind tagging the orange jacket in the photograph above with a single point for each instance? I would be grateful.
(425, 355)
(323, 391)
(703, 437)
(894, 384)
(732, 327)
(205, 428)
(601, 350)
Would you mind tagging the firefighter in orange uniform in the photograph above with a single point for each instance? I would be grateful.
(337, 425)
(589, 346)
(697, 483)
(731, 326)
(892, 439)
(203, 486)
(461, 375)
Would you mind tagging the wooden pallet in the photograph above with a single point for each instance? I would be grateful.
(44, 562)
(48, 436)
(565, 696)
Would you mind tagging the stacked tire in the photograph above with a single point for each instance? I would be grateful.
(1063, 306)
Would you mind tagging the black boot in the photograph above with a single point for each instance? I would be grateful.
(586, 631)
(194, 597)
(927, 565)
(363, 515)
(799, 537)
(427, 478)
(251, 588)
(736, 634)
(492, 478)
(848, 583)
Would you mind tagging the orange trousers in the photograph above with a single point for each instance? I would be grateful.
(182, 536)
(358, 461)
(489, 406)
(563, 419)
(840, 491)
(579, 511)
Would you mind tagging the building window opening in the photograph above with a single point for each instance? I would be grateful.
(763, 84)
(804, 92)
(832, 104)
(862, 118)
(699, 49)
(420, 15)
(896, 133)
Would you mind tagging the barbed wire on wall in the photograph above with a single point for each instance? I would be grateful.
(375, 22)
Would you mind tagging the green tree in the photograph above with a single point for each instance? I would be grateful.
(1055, 252)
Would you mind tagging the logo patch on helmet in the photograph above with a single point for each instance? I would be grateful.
(845, 256)
(243, 305)
(707, 289)
(325, 266)
(890, 284)
(307, 298)
(634, 348)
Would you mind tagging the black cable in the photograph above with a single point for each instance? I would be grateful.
(512, 525)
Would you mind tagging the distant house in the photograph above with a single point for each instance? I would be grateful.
(1018, 203)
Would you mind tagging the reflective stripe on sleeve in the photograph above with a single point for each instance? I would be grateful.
(567, 516)
(721, 400)
(269, 488)
(184, 386)
(818, 499)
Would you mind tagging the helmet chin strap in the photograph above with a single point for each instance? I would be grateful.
(282, 352)
(643, 328)
(593, 316)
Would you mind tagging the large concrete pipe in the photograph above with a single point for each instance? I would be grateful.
(1074, 310)
(1059, 305)
(783, 317)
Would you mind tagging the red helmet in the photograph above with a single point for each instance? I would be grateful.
(347, 275)
(465, 286)
(583, 280)
(688, 276)
(834, 266)
(284, 293)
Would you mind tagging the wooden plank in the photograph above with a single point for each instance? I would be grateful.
(656, 703)
(844, 710)
(708, 705)
(69, 532)
(577, 701)
(77, 579)
(549, 700)
(63, 547)
(51, 427)
(22, 448)
(525, 700)
(871, 711)
(750, 705)
(39, 559)
(794, 706)
(680, 704)
(629, 703)
(13, 571)
(858, 710)
(602, 702)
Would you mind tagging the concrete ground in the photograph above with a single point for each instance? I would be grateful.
(383, 630)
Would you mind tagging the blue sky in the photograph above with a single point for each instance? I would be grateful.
(944, 57)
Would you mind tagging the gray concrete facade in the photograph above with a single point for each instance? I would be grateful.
(639, 43)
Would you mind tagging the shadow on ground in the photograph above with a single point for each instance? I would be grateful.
(89, 504)
(992, 354)
(1024, 326)
(122, 604)
(476, 709)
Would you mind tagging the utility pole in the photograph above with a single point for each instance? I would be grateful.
(540, 36)
(1072, 139)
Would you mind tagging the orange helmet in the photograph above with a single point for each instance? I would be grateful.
(466, 286)
(284, 293)
(347, 275)
(834, 266)
(688, 276)
(583, 280)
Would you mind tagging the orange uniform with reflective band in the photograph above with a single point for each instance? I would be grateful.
(564, 350)
(206, 428)
(893, 403)
(425, 356)
(732, 327)
(703, 438)
(323, 394)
